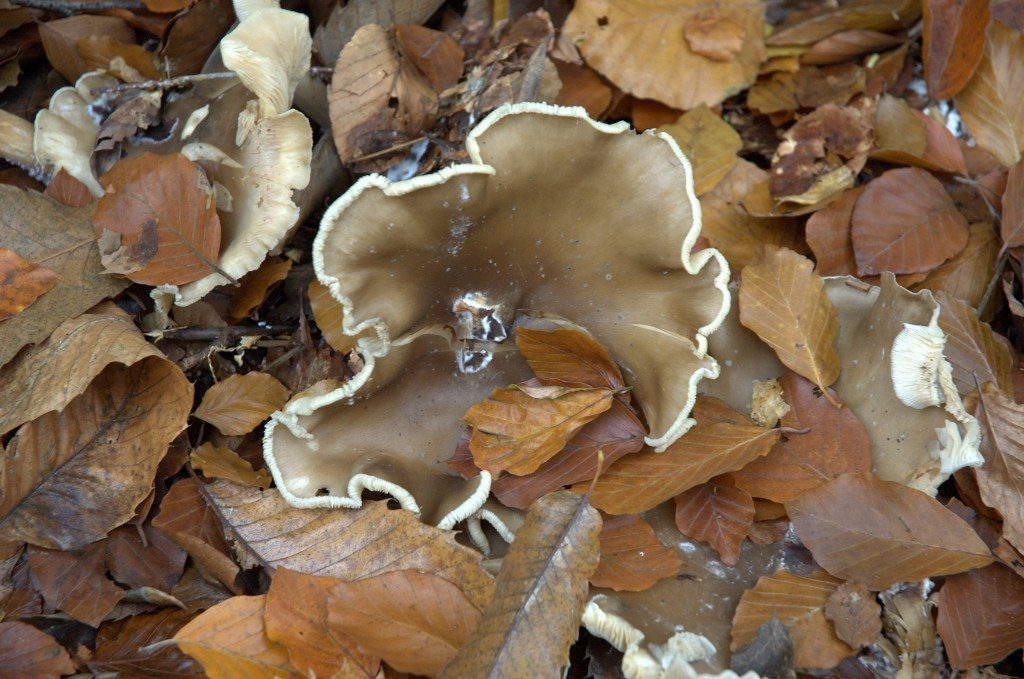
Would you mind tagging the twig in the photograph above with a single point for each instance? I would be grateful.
(167, 83)
(223, 335)
(389, 150)
(65, 7)
(282, 358)
(1004, 256)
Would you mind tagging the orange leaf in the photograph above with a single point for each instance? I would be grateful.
(67, 190)
(27, 653)
(238, 404)
(799, 603)
(981, 616)
(717, 514)
(21, 282)
(218, 462)
(828, 235)
(568, 358)
(253, 286)
(414, 621)
(908, 136)
(860, 527)
(632, 557)
(160, 218)
(97, 51)
(435, 53)
(230, 641)
(954, 40)
(783, 301)
(723, 440)
(1002, 445)
(837, 443)
(905, 222)
(519, 428)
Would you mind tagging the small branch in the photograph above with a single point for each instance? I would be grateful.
(167, 83)
(225, 335)
(388, 151)
(993, 283)
(65, 7)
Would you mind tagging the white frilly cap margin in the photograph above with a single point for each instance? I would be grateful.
(922, 377)
(671, 660)
(376, 345)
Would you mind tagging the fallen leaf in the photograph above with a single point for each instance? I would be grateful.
(717, 514)
(821, 21)
(770, 654)
(348, 543)
(415, 621)
(346, 19)
(121, 647)
(723, 440)
(981, 616)
(846, 45)
(67, 190)
(783, 301)
(296, 617)
(73, 475)
(27, 653)
(240, 403)
(972, 349)
(253, 287)
(97, 51)
(61, 239)
(709, 142)
(197, 593)
(836, 443)
(166, 6)
(966, 275)
(768, 532)
(60, 40)
(172, 195)
(158, 562)
(954, 40)
(520, 428)
(435, 53)
(21, 282)
(721, 48)
(230, 641)
(991, 104)
(799, 604)
(75, 583)
(617, 432)
(914, 537)
(1002, 445)
(582, 86)
(538, 597)
(218, 462)
(1012, 227)
(855, 615)
(193, 34)
(808, 88)
(632, 557)
(907, 136)
(568, 358)
(905, 222)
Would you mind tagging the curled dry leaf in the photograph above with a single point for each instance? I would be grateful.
(435, 53)
(238, 404)
(164, 211)
(230, 641)
(783, 301)
(532, 620)
(21, 282)
(568, 358)
(75, 583)
(914, 538)
(836, 443)
(709, 142)
(253, 286)
(1002, 445)
(810, 87)
(415, 621)
(27, 653)
(717, 514)
(907, 136)
(218, 462)
(954, 40)
(855, 615)
(632, 557)
(847, 45)
(520, 428)
(723, 440)
(799, 603)
(981, 616)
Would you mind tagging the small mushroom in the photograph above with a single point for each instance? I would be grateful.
(16, 140)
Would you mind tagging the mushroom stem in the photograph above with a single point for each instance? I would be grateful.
(16, 140)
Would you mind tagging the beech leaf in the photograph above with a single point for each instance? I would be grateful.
(527, 628)
(632, 557)
(218, 462)
(1012, 225)
(770, 654)
(709, 142)
(783, 301)
(972, 349)
(954, 40)
(722, 441)
(21, 282)
(855, 615)
(75, 583)
(568, 358)
(914, 538)
(27, 653)
(966, 275)
(1002, 446)
(121, 646)
(717, 514)
(238, 404)
(981, 616)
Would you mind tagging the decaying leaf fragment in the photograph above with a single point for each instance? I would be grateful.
(218, 462)
(855, 615)
(717, 514)
(632, 557)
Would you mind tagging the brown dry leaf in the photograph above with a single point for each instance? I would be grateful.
(723, 440)
(60, 40)
(61, 239)
(436, 54)
(97, 51)
(67, 190)
(715, 52)
(376, 97)
(75, 582)
(158, 562)
(828, 235)
(855, 615)
(21, 282)
(534, 617)
(905, 222)
(568, 358)
(808, 88)
(582, 86)
(192, 35)
(974, 351)
(617, 432)
(981, 616)
(954, 40)
(821, 21)
(70, 476)
(717, 514)
(253, 287)
(799, 604)
(1012, 227)
(346, 19)
(847, 45)
(907, 136)
(632, 557)
(992, 103)
(966, 275)
(1002, 445)
(415, 621)
(914, 538)
(837, 443)
(770, 654)
(348, 543)
(218, 462)
(709, 142)
(520, 428)
(238, 404)
(27, 653)
(120, 647)
(328, 314)
(230, 642)
(296, 617)
(783, 301)
(162, 215)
